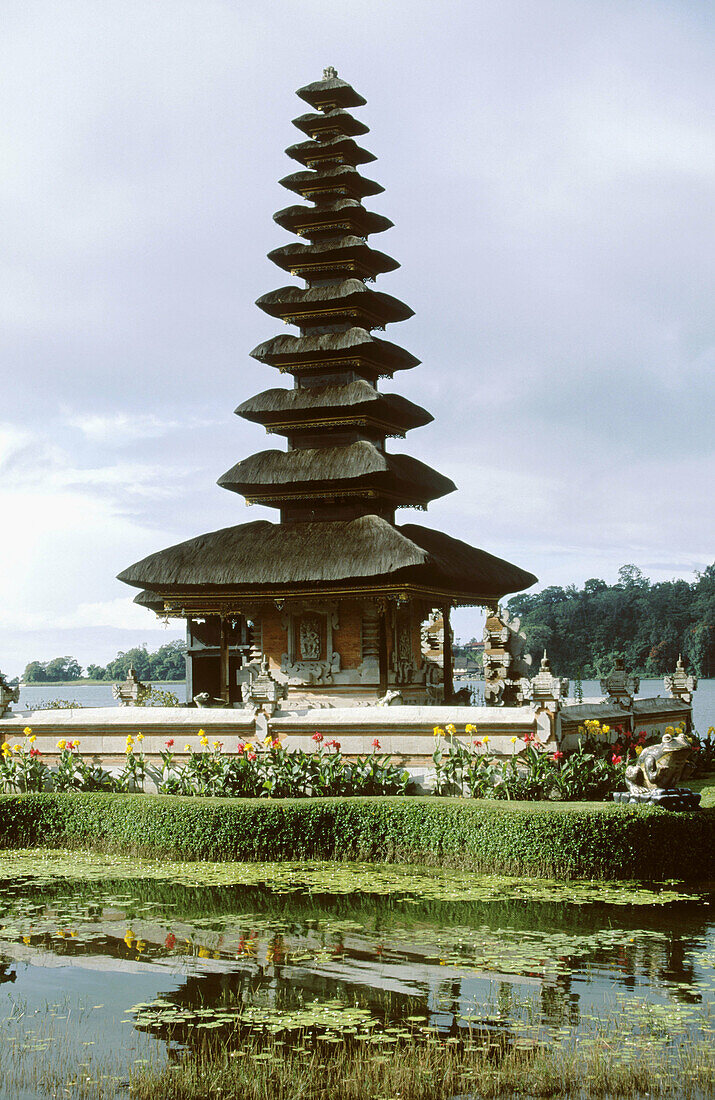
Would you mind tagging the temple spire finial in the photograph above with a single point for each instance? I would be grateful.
(330, 73)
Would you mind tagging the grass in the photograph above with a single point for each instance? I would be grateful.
(706, 786)
(433, 1069)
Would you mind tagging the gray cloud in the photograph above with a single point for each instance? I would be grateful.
(549, 169)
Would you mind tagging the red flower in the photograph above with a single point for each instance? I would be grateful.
(170, 743)
(317, 737)
(275, 743)
(241, 748)
(70, 744)
(35, 752)
(376, 744)
(477, 744)
(333, 745)
(557, 756)
(642, 736)
(616, 759)
(170, 941)
(251, 755)
(529, 737)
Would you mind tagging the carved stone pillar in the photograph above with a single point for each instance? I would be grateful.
(370, 667)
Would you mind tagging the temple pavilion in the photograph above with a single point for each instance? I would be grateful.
(331, 602)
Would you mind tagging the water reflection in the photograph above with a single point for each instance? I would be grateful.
(218, 954)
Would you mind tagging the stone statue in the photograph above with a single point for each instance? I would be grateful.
(132, 692)
(390, 699)
(263, 693)
(506, 662)
(545, 689)
(8, 695)
(620, 688)
(655, 775)
(204, 699)
(679, 684)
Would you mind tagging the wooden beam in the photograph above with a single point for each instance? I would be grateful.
(448, 657)
(224, 685)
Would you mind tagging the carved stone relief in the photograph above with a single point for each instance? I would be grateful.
(307, 666)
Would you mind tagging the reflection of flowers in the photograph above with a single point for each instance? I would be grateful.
(170, 941)
(129, 938)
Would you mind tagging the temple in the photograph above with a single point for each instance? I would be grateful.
(329, 605)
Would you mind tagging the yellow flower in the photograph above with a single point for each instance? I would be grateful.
(5, 749)
(202, 733)
(216, 744)
(27, 731)
(451, 729)
(62, 744)
(469, 728)
(438, 731)
(513, 740)
(248, 747)
(187, 748)
(606, 729)
(486, 739)
(639, 750)
(128, 937)
(670, 730)
(140, 737)
(266, 740)
(129, 749)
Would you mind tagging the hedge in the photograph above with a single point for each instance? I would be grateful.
(568, 840)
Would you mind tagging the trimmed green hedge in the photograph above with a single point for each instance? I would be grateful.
(569, 840)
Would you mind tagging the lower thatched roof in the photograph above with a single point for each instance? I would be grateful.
(360, 465)
(341, 149)
(298, 406)
(368, 550)
(349, 215)
(356, 344)
(343, 298)
(344, 250)
(332, 123)
(339, 179)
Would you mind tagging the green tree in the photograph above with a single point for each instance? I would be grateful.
(35, 673)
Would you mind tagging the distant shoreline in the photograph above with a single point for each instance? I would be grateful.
(83, 682)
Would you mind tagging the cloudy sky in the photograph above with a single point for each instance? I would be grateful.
(548, 165)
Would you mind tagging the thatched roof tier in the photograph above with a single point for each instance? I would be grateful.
(342, 258)
(333, 219)
(151, 601)
(330, 92)
(331, 124)
(356, 349)
(367, 554)
(341, 150)
(355, 404)
(337, 303)
(355, 469)
(331, 183)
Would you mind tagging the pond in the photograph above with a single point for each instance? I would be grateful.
(108, 962)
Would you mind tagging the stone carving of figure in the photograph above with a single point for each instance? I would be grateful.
(310, 639)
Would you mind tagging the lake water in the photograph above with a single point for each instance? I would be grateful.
(108, 961)
(100, 695)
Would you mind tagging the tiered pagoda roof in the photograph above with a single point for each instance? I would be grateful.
(336, 486)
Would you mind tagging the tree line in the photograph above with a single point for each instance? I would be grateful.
(585, 629)
(167, 663)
